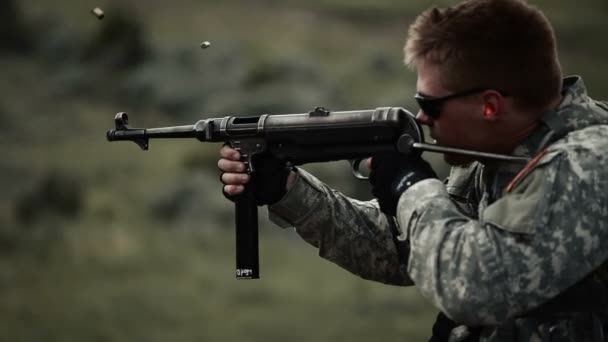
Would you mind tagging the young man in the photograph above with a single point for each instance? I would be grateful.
(509, 252)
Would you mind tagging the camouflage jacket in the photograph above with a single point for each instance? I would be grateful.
(492, 242)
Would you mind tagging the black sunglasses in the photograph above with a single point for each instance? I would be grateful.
(431, 106)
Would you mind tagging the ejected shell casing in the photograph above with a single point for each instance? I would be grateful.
(205, 44)
(98, 12)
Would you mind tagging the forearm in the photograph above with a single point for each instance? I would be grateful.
(353, 234)
(455, 262)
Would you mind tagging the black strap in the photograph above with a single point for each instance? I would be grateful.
(444, 326)
(588, 295)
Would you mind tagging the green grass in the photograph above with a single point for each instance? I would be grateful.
(121, 284)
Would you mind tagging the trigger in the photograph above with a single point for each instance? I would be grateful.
(248, 160)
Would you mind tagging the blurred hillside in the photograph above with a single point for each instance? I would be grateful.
(104, 242)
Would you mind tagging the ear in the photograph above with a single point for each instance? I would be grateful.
(493, 104)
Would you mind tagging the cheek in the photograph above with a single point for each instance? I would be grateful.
(450, 132)
(459, 128)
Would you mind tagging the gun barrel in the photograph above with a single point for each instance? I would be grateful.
(186, 131)
(141, 136)
(121, 134)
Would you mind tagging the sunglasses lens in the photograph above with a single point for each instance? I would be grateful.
(429, 107)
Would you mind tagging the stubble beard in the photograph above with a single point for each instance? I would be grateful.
(457, 159)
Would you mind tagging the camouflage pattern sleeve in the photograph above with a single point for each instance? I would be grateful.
(352, 234)
(548, 232)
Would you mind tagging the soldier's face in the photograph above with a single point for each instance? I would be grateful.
(454, 121)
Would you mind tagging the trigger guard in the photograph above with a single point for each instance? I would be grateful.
(355, 164)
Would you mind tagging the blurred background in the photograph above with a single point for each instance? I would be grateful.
(105, 242)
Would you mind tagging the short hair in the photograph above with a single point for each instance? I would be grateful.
(506, 45)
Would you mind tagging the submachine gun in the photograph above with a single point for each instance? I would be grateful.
(317, 136)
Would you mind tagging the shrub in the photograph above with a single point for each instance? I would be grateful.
(119, 43)
(14, 34)
(54, 194)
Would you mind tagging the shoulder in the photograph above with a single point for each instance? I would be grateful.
(575, 156)
(582, 156)
(567, 178)
(591, 140)
(568, 174)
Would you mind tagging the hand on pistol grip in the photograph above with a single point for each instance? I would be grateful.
(267, 182)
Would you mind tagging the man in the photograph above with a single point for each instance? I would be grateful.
(506, 251)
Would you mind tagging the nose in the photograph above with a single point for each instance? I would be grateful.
(423, 119)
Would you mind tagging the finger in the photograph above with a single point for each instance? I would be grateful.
(230, 153)
(233, 190)
(368, 163)
(227, 165)
(235, 178)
